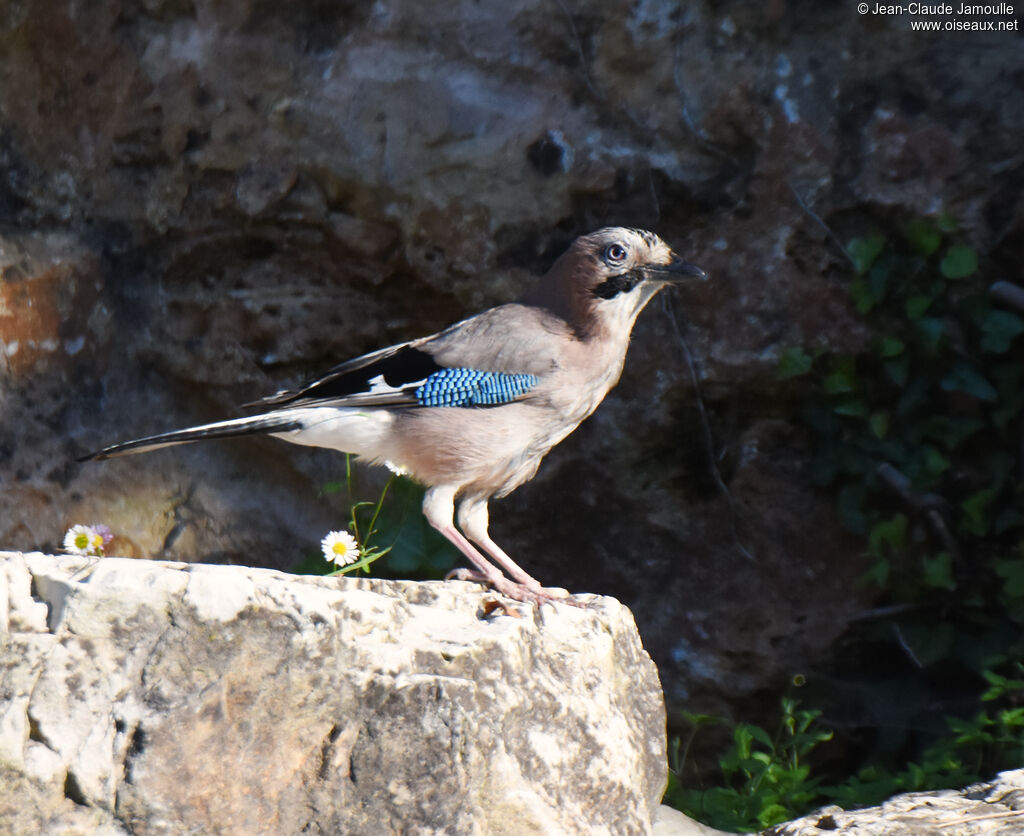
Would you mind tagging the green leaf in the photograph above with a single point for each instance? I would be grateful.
(879, 423)
(959, 263)
(976, 517)
(898, 370)
(1012, 573)
(948, 431)
(793, 362)
(938, 571)
(930, 331)
(761, 736)
(838, 382)
(1007, 519)
(923, 237)
(773, 814)
(854, 407)
(890, 347)
(700, 719)
(916, 305)
(863, 298)
(933, 462)
(1000, 329)
(864, 251)
(878, 573)
(891, 533)
(878, 278)
(965, 378)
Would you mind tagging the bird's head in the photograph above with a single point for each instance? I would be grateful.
(606, 278)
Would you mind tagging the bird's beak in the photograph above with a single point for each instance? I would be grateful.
(677, 270)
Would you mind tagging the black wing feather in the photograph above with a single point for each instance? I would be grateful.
(349, 382)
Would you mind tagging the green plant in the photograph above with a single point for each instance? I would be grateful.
(917, 433)
(765, 777)
(913, 431)
(973, 748)
(414, 549)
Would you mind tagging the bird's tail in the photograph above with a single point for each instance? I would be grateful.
(256, 424)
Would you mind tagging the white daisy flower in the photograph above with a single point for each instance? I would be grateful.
(340, 547)
(86, 540)
(397, 469)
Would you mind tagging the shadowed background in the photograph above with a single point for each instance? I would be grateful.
(201, 202)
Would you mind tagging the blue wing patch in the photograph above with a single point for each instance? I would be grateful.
(469, 387)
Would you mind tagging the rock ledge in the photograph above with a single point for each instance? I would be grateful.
(163, 698)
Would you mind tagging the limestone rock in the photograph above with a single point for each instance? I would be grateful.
(993, 808)
(164, 698)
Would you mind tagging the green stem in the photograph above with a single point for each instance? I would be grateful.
(376, 511)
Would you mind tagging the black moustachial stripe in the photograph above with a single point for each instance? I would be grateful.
(614, 285)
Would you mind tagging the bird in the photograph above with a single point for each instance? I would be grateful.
(470, 412)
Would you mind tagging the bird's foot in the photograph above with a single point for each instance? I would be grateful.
(461, 574)
(527, 594)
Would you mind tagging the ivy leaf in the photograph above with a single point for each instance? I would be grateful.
(854, 407)
(959, 263)
(931, 330)
(965, 378)
(916, 305)
(898, 370)
(1012, 572)
(864, 251)
(1000, 329)
(938, 571)
(890, 347)
(878, 573)
(839, 381)
(793, 362)
(891, 532)
(923, 237)
(879, 422)
(935, 464)
(976, 512)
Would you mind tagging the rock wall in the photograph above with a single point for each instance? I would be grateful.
(162, 698)
(203, 201)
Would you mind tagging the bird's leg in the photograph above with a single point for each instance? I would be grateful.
(439, 509)
(473, 520)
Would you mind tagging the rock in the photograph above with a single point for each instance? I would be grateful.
(670, 822)
(993, 808)
(161, 698)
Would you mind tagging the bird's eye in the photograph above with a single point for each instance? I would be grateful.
(615, 253)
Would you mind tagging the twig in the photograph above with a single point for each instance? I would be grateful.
(879, 613)
(1009, 294)
(705, 425)
(579, 50)
(906, 647)
(814, 216)
(930, 505)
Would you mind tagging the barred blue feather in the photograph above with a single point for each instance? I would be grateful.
(470, 387)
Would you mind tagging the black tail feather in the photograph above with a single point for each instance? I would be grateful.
(255, 425)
